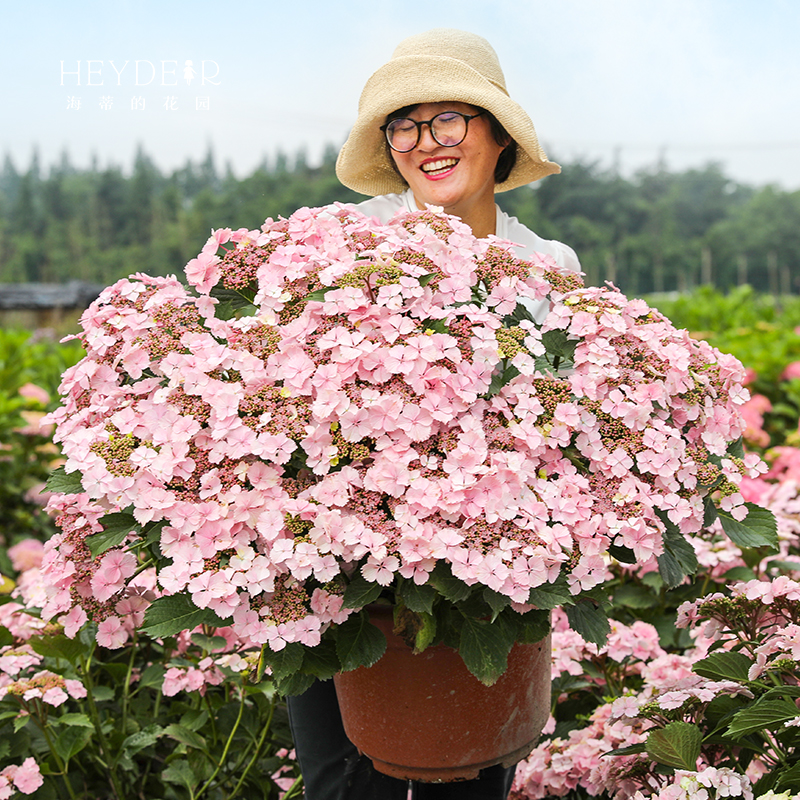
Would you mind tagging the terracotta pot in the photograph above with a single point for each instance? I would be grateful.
(427, 718)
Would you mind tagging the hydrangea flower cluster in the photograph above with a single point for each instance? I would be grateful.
(339, 397)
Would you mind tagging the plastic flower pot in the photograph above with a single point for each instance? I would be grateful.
(425, 717)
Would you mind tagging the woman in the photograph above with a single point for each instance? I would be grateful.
(435, 127)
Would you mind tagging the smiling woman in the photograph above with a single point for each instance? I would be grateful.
(435, 127)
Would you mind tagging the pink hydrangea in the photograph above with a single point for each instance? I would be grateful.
(374, 408)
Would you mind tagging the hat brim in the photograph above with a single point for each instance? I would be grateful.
(364, 164)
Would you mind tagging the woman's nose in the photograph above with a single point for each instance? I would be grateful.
(426, 140)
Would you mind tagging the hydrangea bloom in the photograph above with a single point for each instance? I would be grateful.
(376, 398)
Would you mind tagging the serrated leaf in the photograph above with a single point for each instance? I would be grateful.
(496, 601)
(590, 621)
(58, 646)
(181, 772)
(725, 666)
(484, 648)
(63, 482)
(418, 598)
(676, 745)
(294, 684)
(360, 592)
(550, 595)
(116, 528)
(321, 661)
(766, 714)
(359, 643)
(678, 558)
(757, 529)
(448, 586)
(557, 343)
(71, 741)
(285, 662)
(144, 738)
(168, 616)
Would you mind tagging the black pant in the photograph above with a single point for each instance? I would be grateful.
(333, 769)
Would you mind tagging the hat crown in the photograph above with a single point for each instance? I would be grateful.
(469, 48)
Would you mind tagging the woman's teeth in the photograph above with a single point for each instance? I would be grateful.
(437, 166)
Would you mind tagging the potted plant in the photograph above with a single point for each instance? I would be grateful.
(338, 413)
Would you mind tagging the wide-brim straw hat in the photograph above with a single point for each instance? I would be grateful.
(436, 66)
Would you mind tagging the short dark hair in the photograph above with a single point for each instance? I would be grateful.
(506, 160)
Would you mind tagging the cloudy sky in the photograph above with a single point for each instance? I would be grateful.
(625, 82)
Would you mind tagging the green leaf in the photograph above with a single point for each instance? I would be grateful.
(502, 375)
(677, 745)
(766, 714)
(418, 598)
(294, 684)
(71, 741)
(321, 661)
(168, 616)
(757, 529)
(630, 750)
(550, 596)
(484, 647)
(724, 666)
(788, 779)
(359, 643)
(181, 772)
(72, 719)
(448, 586)
(21, 722)
(185, 736)
(360, 592)
(208, 643)
(116, 528)
(102, 694)
(141, 739)
(496, 601)
(152, 676)
(285, 662)
(557, 343)
(426, 633)
(709, 512)
(64, 482)
(590, 621)
(319, 294)
(532, 626)
(58, 646)
(632, 596)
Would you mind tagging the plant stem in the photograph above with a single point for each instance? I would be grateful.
(95, 715)
(62, 767)
(226, 748)
(259, 745)
(126, 687)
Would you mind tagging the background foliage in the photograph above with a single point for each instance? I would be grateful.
(656, 232)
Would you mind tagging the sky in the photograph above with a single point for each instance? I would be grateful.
(624, 84)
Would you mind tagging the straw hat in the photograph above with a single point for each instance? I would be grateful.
(436, 66)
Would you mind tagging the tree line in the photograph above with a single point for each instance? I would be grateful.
(656, 231)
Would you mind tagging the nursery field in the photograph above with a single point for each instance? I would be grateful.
(694, 694)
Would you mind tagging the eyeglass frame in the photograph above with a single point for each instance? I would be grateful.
(429, 123)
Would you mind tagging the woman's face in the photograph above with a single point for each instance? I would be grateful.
(460, 178)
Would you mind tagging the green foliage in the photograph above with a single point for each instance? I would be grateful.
(28, 454)
(655, 232)
(129, 737)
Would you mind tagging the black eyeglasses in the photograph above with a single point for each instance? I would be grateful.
(448, 129)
